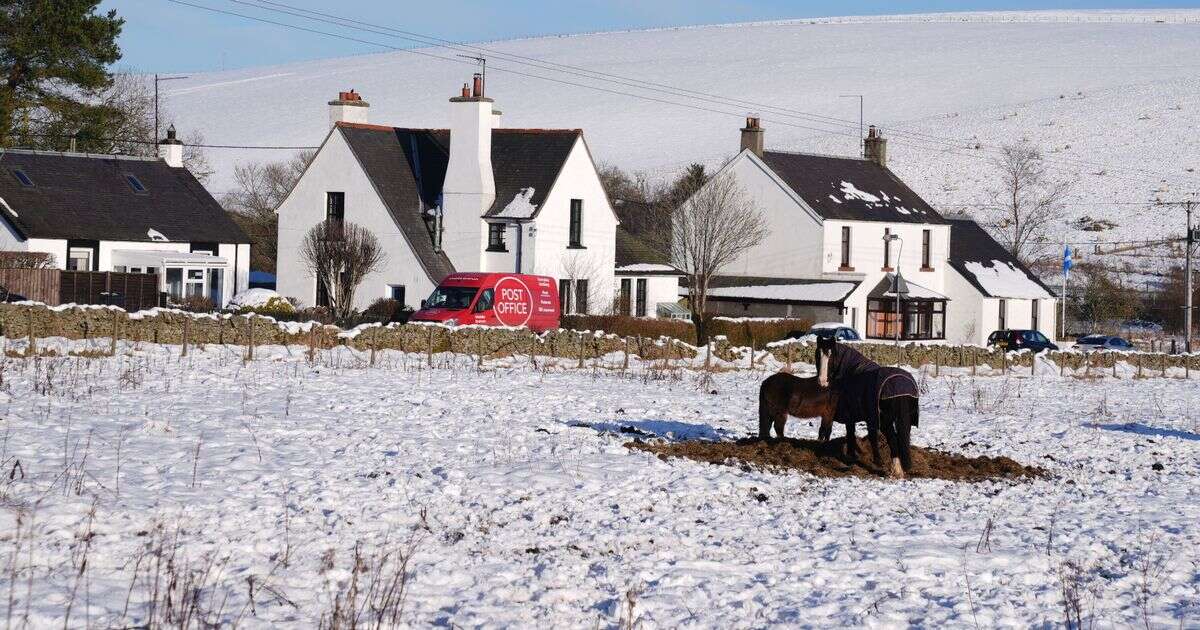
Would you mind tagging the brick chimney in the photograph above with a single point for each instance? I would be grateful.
(170, 149)
(469, 187)
(752, 136)
(348, 107)
(875, 147)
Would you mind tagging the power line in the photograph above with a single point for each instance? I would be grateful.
(951, 145)
(147, 142)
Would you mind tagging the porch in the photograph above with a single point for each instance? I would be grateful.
(182, 275)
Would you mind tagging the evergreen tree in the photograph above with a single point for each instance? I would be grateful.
(54, 58)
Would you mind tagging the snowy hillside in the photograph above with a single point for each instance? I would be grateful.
(1112, 97)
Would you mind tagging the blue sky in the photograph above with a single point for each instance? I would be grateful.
(161, 36)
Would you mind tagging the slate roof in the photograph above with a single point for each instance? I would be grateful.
(971, 247)
(408, 167)
(84, 196)
(850, 188)
(632, 250)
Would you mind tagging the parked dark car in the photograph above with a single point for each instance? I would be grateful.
(1021, 340)
(831, 330)
(1112, 343)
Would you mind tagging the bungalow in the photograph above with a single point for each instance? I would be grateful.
(125, 214)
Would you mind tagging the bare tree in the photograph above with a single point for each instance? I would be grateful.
(340, 255)
(582, 270)
(1025, 201)
(26, 260)
(261, 187)
(716, 223)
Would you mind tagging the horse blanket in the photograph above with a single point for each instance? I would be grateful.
(863, 383)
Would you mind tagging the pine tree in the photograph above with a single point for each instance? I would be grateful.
(54, 58)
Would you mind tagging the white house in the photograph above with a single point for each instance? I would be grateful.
(839, 228)
(474, 197)
(647, 284)
(126, 214)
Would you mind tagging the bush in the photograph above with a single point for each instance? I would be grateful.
(386, 311)
(197, 304)
(741, 332)
(277, 307)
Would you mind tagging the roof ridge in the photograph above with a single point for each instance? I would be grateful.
(74, 154)
(812, 154)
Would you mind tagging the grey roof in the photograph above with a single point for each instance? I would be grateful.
(633, 250)
(772, 289)
(408, 167)
(85, 196)
(970, 243)
(850, 188)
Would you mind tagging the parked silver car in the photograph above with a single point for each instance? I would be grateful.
(1110, 343)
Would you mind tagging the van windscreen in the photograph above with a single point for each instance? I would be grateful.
(451, 297)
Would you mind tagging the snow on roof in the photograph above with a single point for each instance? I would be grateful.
(521, 206)
(915, 291)
(646, 268)
(156, 258)
(812, 292)
(1003, 279)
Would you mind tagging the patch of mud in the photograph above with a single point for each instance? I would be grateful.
(827, 459)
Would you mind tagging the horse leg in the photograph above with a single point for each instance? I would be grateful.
(890, 413)
(909, 408)
(766, 415)
(826, 429)
(851, 443)
(873, 438)
(780, 423)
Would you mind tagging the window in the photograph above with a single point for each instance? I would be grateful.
(396, 292)
(456, 298)
(625, 298)
(135, 183)
(576, 230)
(846, 249)
(1034, 315)
(923, 319)
(175, 282)
(581, 296)
(118, 268)
(926, 237)
(1002, 321)
(135, 270)
(496, 237)
(79, 259)
(204, 248)
(641, 297)
(215, 288)
(195, 282)
(485, 300)
(22, 177)
(564, 297)
(335, 207)
(887, 249)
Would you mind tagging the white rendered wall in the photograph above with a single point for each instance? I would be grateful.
(547, 252)
(336, 169)
(792, 247)
(659, 290)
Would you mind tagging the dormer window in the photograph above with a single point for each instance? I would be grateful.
(22, 177)
(135, 183)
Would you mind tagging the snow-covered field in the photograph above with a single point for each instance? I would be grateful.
(1111, 97)
(509, 493)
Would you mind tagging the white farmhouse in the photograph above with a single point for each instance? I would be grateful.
(123, 214)
(474, 197)
(839, 229)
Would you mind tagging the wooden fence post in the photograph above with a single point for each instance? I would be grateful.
(112, 343)
(186, 329)
(479, 348)
(937, 364)
(312, 344)
(1187, 366)
(250, 344)
(1114, 365)
(581, 350)
(32, 339)
(374, 343)
(708, 356)
(1139, 365)
(625, 356)
(1004, 360)
(1164, 364)
(429, 347)
(533, 342)
(974, 359)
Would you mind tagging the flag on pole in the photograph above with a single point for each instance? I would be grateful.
(1067, 262)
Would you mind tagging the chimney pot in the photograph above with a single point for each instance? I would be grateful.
(348, 107)
(466, 91)
(477, 86)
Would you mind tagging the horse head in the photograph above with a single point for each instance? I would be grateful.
(826, 360)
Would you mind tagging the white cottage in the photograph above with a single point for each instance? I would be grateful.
(124, 214)
(474, 197)
(839, 228)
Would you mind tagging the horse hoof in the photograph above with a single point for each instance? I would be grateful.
(897, 471)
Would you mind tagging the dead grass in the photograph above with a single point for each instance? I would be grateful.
(825, 459)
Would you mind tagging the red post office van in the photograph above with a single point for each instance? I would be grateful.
(493, 299)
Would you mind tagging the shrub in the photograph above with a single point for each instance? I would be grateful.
(277, 307)
(197, 304)
(386, 311)
(741, 332)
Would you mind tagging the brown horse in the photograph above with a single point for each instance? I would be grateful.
(783, 395)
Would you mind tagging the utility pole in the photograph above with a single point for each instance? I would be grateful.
(1189, 240)
(158, 80)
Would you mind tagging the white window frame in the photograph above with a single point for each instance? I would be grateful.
(87, 251)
